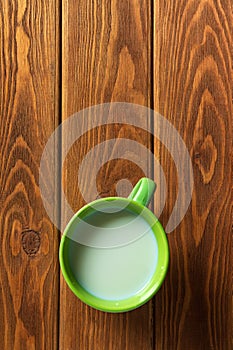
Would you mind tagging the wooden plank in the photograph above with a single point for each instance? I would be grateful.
(193, 90)
(106, 57)
(29, 114)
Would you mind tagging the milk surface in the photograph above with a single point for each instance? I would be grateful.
(119, 272)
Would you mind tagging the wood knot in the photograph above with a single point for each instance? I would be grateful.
(30, 242)
(205, 158)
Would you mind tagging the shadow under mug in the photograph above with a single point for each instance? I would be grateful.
(76, 235)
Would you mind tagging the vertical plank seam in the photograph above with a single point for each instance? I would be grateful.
(58, 14)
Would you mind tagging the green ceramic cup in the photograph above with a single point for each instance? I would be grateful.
(76, 236)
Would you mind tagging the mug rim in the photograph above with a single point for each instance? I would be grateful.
(148, 291)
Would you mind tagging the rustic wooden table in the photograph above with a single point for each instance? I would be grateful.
(59, 57)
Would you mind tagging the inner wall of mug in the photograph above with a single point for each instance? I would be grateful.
(118, 218)
(155, 276)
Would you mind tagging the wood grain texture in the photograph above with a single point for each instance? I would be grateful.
(28, 115)
(106, 57)
(193, 90)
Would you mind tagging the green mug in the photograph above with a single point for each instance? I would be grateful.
(114, 252)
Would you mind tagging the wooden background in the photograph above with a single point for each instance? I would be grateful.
(57, 58)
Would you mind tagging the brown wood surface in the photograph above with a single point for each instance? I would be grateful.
(28, 115)
(193, 90)
(175, 56)
(106, 58)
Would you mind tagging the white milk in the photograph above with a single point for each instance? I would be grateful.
(119, 272)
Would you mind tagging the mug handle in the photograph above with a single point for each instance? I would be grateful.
(143, 191)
